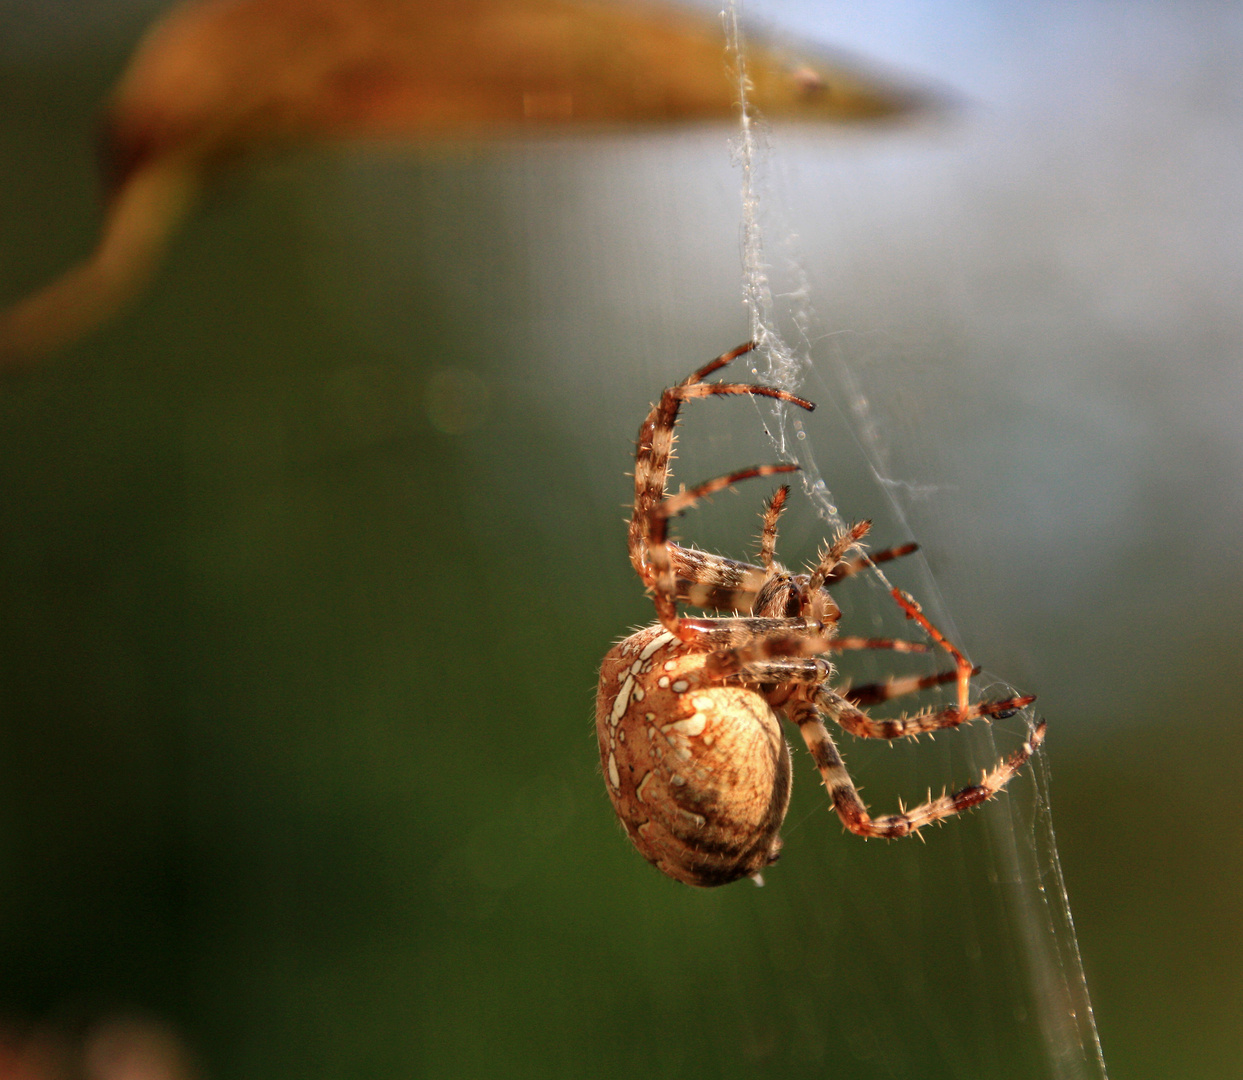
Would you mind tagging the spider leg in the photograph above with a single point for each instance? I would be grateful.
(858, 722)
(850, 567)
(832, 554)
(656, 437)
(800, 670)
(660, 575)
(848, 642)
(844, 708)
(964, 667)
(714, 582)
(872, 693)
(674, 505)
(768, 534)
(717, 583)
(736, 642)
(784, 655)
(854, 814)
(897, 686)
(784, 669)
(716, 365)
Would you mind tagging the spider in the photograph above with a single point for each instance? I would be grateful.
(687, 708)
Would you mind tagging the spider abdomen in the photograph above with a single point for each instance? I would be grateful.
(697, 770)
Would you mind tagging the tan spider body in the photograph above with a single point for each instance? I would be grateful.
(698, 771)
(687, 711)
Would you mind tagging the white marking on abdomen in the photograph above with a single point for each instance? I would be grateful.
(656, 644)
(622, 702)
(692, 727)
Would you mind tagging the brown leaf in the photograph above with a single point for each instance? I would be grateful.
(220, 80)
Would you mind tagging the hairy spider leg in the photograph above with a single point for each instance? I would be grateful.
(833, 553)
(858, 722)
(717, 583)
(845, 711)
(873, 693)
(964, 667)
(850, 567)
(898, 685)
(715, 365)
(768, 532)
(648, 539)
(764, 638)
(830, 570)
(778, 651)
(782, 640)
(656, 438)
(850, 807)
(850, 642)
(714, 582)
(663, 581)
(677, 504)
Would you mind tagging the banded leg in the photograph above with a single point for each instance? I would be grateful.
(656, 437)
(848, 642)
(807, 672)
(850, 808)
(718, 583)
(714, 582)
(898, 686)
(844, 710)
(650, 552)
(768, 533)
(799, 656)
(659, 572)
(860, 723)
(832, 555)
(738, 645)
(850, 567)
(964, 666)
(733, 643)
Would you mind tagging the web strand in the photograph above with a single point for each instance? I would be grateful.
(1022, 845)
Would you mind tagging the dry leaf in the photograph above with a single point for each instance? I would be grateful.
(220, 80)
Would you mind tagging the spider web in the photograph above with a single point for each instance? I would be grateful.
(1022, 859)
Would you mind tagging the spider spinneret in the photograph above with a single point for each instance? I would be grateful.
(687, 710)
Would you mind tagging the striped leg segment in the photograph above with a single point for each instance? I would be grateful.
(810, 671)
(858, 722)
(714, 582)
(847, 642)
(898, 686)
(832, 555)
(850, 567)
(964, 667)
(660, 559)
(650, 551)
(768, 533)
(854, 814)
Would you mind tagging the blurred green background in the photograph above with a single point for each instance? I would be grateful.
(308, 562)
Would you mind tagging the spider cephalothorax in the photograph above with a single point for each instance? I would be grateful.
(687, 709)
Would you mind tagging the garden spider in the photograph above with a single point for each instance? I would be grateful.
(686, 712)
